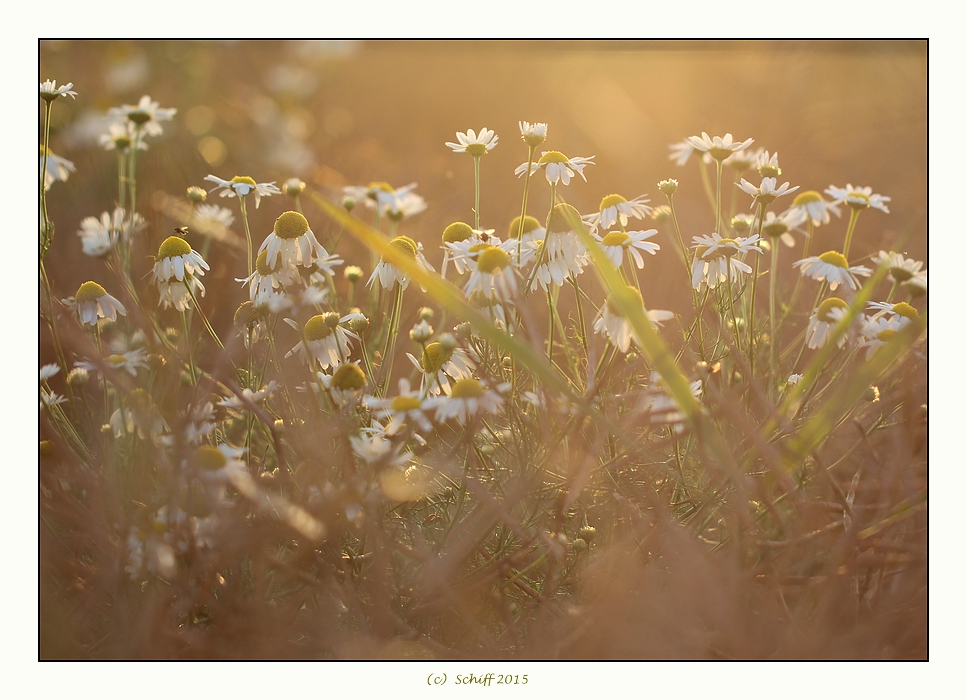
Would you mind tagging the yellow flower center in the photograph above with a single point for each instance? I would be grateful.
(291, 225)
(405, 403)
(774, 229)
(435, 355)
(611, 200)
(719, 153)
(905, 310)
(209, 458)
(116, 360)
(530, 223)
(562, 218)
(467, 389)
(373, 187)
(831, 257)
(139, 116)
(316, 328)
(616, 238)
(858, 195)
(553, 157)
(492, 259)
(244, 179)
(728, 247)
(456, 232)
(900, 274)
(886, 334)
(348, 377)
(89, 291)
(173, 247)
(405, 245)
(823, 312)
(807, 197)
(476, 149)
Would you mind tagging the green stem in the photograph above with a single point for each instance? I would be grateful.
(389, 343)
(248, 233)
(191, 362)
(718, 196)
(773, 340)
(577, 300)
(46, 234)
(854, 215)
(476, 192)
(523, 206)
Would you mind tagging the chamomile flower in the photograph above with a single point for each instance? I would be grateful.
(901, 311)
(408, 407)
(561, 253)
(833, 268)
(614, 208)
(324, 340)
(492, 273)
(92, 302)
(683, 150)
(557, 167)
(473, 143)
(662, 408)
(767, 192)
(455, 237)
(100, 235)
(533, 134)
(718, 147)
(139, 413)
(389, 274)
(768, 165)
(58, 169)
(440, 362)
(346, 383)
(898, 267)
(50, 92)
(468, 397)
(234, 403)
(147, 115)
(715, 259)
(401, 204)
(369, 194)
(858, 197)
(130, 362)
(822, 321)
(176, 269)
(50, 398)
(615, 244)
(779, 227)
(530, 231)
(292, 242)
(242, 186)
(208, 216)
(916, 286)
(48, 371)
(266, 278)
(221, 465)
(879, 330)
(120, 136)
(612, 322)
(376, 449)
(810, 206)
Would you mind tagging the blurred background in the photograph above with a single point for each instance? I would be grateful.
(343, 112)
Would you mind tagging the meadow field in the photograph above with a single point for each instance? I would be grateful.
(452, 350)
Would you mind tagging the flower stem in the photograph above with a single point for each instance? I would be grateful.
(46, 234)
(248, 234)
(476, 192)
(523, 206)
(389, 343)
(191, 362)
(773, 273)
(854, 215)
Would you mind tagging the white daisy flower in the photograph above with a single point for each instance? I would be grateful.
(369, 194)
(561, 253)
(346, 383)
(50, 398)
(492, 273)
(898, 267)
(207, 216)
(92, 302)
(439, 363)
(532, 230)
(916, 286)
(468, 397)
(683, 150)
(146, 114)
(533, 134)
(768, 166)
(901, 311)
(120, 135)
(834, 268)
(48, 371)
(376, 449)
(718, 147)
(557, 167)
(58, 169)
(779, 226)
(877, 331)
(457, 239)
(139, 413)
(292, 242)
(822, 321)
(473, 143)
(323, 340)
(242, 186)
(267, 278)
(767, 192)
(223, 466)
(616, 243)
(176, 266)
(388, 274)
(130, 362)
(662, 408)
(617, 328)
(615, 208)
(50, 92)
(858, 197)
(810, 206)
(100, 235)
(234, 403)
(401, 204)
(740, 161)
(407, 407)
(714, 256)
